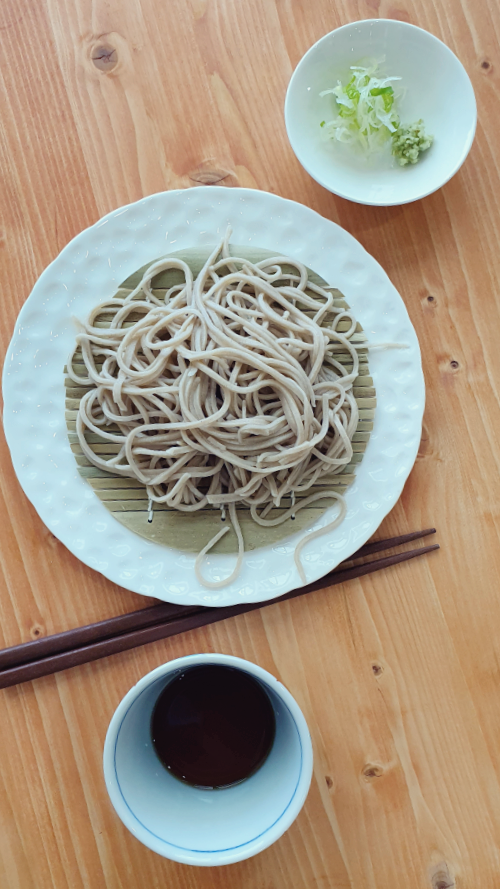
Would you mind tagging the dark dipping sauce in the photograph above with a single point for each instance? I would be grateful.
(213, 726)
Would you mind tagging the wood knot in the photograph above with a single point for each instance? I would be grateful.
(372, 770)
(209, 173)
(425, 447)
(441, 877)
(104, 56)
(329, 782)
(486, 66)
(377, 668)
(48, 538)
(429, 303)
(199, 8)
(36, 631)
(449, 367)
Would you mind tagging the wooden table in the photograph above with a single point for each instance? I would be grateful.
(398, 675)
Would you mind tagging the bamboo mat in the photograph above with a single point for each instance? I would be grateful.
(126, 498)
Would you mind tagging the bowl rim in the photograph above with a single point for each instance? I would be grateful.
(398, 24)
(254, 845)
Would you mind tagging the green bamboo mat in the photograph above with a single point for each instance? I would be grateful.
(126, 498)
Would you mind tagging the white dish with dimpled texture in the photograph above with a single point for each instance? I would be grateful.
(90, 269)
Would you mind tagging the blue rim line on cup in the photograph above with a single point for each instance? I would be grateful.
(206, 851)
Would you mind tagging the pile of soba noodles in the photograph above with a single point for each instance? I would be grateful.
(226, 392)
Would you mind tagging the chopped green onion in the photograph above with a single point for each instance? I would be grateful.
(366, 116)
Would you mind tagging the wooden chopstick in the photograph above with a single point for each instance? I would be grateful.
(154, 614)
(184, 620)
(113, 626)
(377, 546)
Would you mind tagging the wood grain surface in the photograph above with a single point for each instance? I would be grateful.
(102, 102)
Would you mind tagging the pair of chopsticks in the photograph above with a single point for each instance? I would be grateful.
(48, 655)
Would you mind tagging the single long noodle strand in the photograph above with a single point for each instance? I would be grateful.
(318, 533)
(218, 584)
(226, 392)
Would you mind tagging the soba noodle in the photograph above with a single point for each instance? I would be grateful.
(226, 392)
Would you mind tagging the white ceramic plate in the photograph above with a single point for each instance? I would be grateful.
(90, 269)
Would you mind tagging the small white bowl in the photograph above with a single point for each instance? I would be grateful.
(438, 90)
(189, 824)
